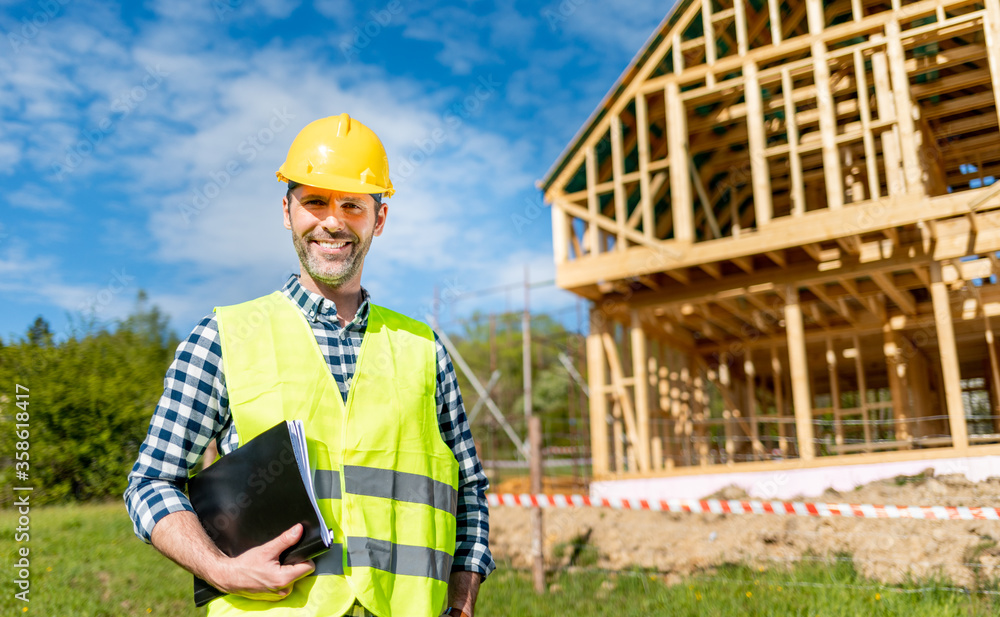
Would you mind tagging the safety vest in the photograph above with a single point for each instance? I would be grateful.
(386, 482)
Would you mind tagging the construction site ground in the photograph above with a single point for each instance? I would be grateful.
(677, 545)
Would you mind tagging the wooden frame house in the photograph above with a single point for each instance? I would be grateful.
(785, 215)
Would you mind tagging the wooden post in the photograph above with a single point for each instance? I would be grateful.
(560, 233)
(921, 393)
(950, 370)
(779, 400)
(596, 380)
(729, 410)
(709, 35)
(774, 12)
(618, 384)
(681, 202)
(992, 32)
(618, 438)
(593, 241)
(740, 18)
(904, 109)
(656, 406)
(871, 160)
(826, 107)
(617, 171)
(537, 535)
(750, 372)
(698, 415)
(831, 365)
(994, 374)
(645, 196)
(684, 429)
(797, 189)
(759, 171)
(859, 366)
(799, 368)
(640, 385)
(900, 396)
(666, 405)
(886, 104)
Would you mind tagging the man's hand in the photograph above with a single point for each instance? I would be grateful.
(256, 574)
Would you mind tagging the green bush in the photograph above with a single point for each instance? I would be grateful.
(89, 401)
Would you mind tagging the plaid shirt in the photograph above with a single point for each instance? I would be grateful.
(194, 410)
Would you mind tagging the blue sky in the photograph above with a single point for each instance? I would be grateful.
(138, 143)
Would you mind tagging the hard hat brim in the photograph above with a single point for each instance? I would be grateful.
(336, 183)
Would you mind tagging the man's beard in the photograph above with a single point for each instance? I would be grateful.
(332, 272)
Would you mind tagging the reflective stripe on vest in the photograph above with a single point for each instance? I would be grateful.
(385, 556)
(386, 482)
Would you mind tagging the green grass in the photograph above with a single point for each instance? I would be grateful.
(85, 562)
(833, 590)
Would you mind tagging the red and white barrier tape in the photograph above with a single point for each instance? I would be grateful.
(734, 506)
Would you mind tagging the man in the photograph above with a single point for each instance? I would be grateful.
(399, 479)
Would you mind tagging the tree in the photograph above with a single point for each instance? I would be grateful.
(90, 399)
(489, 343)
(40, 334)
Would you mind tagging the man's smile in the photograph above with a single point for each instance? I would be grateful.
(331, 247)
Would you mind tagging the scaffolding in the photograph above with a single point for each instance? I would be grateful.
(785, 216)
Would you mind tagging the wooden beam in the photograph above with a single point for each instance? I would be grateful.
(798, 363)
(797, 191)
(778, 257)
(859, 368)
(759, 170)
(886, 105)
(831, 366)
(950, 369)
(641, 389)
(680, 275)
(825, 105)
(994, 369)
(778, 377)
(904, 109)
(783, 233)
(991, 29)
(744, 263)
(645, 190)
(713, 269)
(617, 171)
(618, 386)
(596, 380)
(895, 366)
(817, 314)
(593, 231)
(903, 299)
(560, 234)
(774, 11)
(681, 202)
(707, 206)
(840, 308)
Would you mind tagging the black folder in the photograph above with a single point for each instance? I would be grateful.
(253, 494)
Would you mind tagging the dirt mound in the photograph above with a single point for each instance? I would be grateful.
(550, 486)
(679, 544)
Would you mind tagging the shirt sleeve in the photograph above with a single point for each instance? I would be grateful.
(193, 409)
(472, 546)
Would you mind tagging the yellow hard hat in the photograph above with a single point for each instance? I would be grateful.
(340, 154)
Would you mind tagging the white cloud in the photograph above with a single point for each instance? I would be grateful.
(36, 197)
(461, 172)
(341, 11)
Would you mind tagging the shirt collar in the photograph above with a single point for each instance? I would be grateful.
(317, 308)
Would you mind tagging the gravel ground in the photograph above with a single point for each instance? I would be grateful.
(679, 544)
